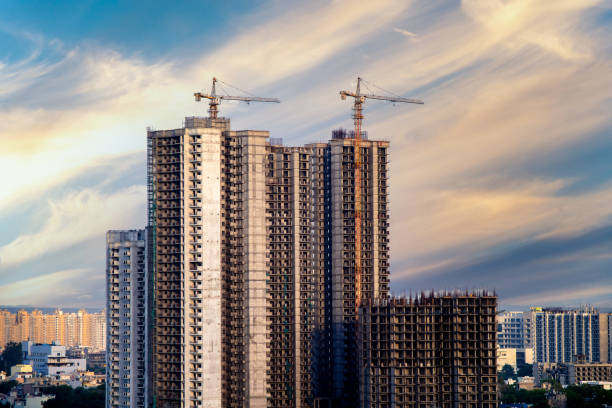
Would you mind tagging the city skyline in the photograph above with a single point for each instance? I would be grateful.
(502, 180)
(80, 329)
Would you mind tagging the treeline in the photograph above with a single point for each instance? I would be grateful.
(68, 397)
(578, 396)
(11, 355)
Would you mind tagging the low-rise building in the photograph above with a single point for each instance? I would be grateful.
(572, 373)
(32, 401)
(526, 383)
(606, 385)
(50, 359)
(27, 395)
(515, 357)
(543, 372)
(96, 360)
(21, 370)
(588, 372)
(64, 365)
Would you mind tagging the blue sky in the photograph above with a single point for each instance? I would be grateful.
(503, 179)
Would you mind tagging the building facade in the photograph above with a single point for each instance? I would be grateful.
(589, 372)
(513, 330)
(50, 359)
(605, 335)
(515, 357)
(432, 350)
(127, 319)
(253, 259)
(80, 329)
(573, 373)
(565, 336)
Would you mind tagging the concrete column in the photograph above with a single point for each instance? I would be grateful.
(254, 188)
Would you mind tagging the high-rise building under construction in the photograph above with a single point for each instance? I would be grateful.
(432, 350)
(252, 260)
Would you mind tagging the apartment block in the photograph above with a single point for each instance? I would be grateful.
(564, 336)
(293, 280)
(430, 350)
(80, 329)
(127, 319)
(253, 259)
(589, 372)
(572, 373)
(185, 218)
(605, 336)
(513, 330)
(515, 357)
(50, 359)
(374, 248)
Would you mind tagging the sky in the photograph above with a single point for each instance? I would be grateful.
(502, 180)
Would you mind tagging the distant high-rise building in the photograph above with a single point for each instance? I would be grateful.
(513, 330)
(126, 302)
(608, 317)
(5, 327)
(22, 325)
(253, 259)
(37, 327)
(564, 336)
(98, 331)
(81, 329)
(429, 351)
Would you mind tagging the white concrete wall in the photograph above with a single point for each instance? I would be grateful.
(211, 266)
(253, 159)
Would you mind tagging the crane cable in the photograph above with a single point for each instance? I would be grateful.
(378, 87)
(235, 87)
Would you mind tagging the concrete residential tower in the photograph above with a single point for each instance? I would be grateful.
(565, 336)
(435, 350)
(252, 263)
(127, 321)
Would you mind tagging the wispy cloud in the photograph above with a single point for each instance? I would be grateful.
(61, 288)
(597, 295)
(404, 32)
(77, 217)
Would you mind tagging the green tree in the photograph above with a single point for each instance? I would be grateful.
(526, 370)
(506, 372)
(587, 396)
(512, 394)
(11, 355)
(67, 397)
(7, 386)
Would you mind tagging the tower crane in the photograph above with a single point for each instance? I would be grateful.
(215, 100)
(359, 100)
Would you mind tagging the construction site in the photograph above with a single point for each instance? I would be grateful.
(429, 350)
(262, 260)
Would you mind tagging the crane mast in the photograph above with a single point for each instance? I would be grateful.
(214, 100)
(359, 100)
